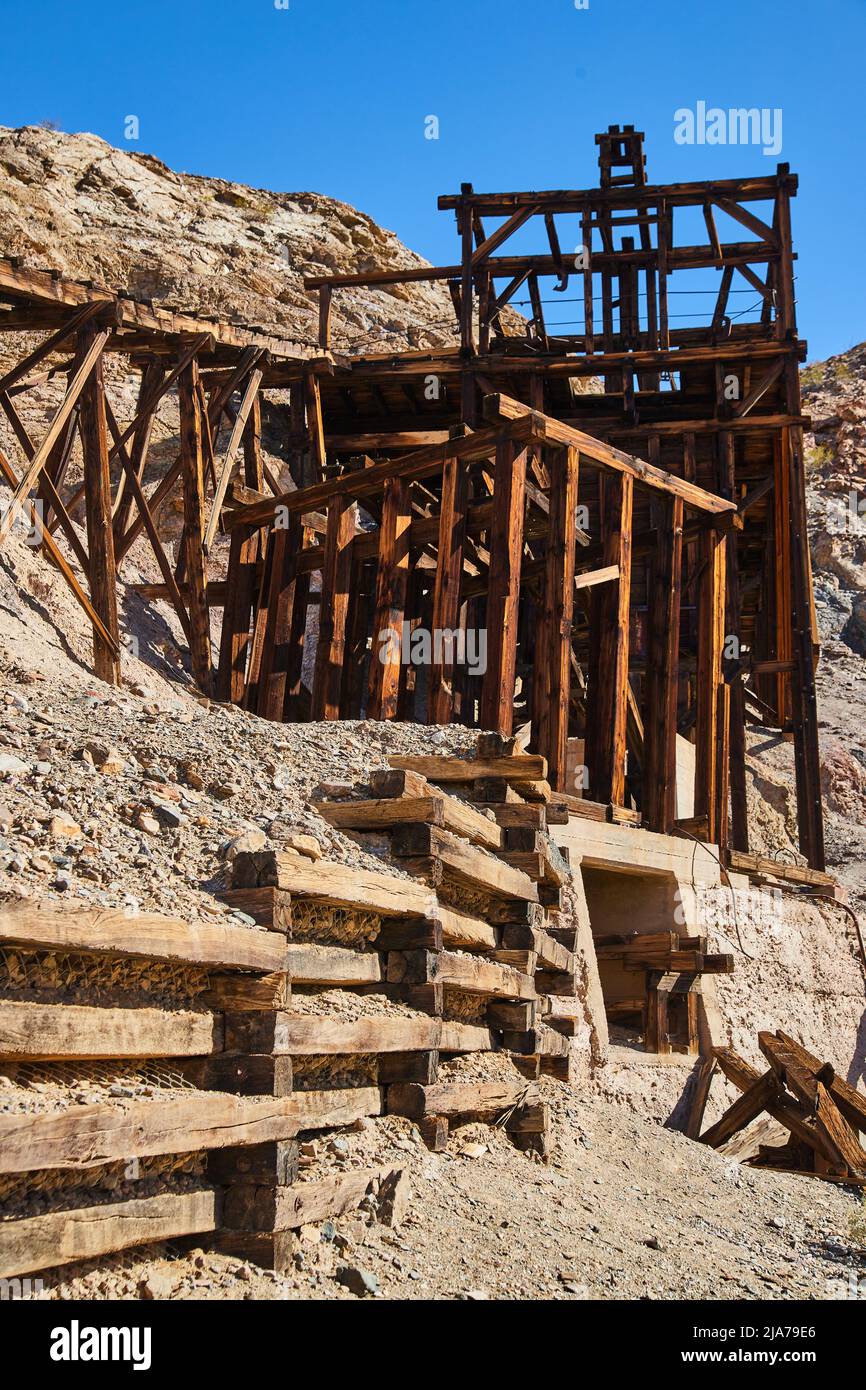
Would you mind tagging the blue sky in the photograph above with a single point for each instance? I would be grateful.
(332, 95)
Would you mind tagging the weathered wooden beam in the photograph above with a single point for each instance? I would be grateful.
(93, 344)
(253, 384)
(559, 607)
(711, 734)
(336, 576)
(192, 472)
(446, 590)
(660, 721)
(608, 674)
(506, 550)
(391, 586)
(97, 487)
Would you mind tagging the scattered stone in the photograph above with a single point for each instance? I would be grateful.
(306, 845)
(106, 758)
(63, 827)
(473, 1150)
(146, 822)
(223, 791)
(395, 1196)
(248, 843)
(358, 1281)
(156, 1286)
(11, 765)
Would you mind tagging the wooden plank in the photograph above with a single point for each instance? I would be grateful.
(342, 885)
(192, 474)
(288, 1207)
(76, 1030)
(849, 1100)
(710, 730)
(237, 614)
(810, 1090)
(90, 355)
(589, 578)
(524, 767)
(87, 1136)
(59, 558)
(662, 683)
(391, 584)
(503, 591)
(608, 695)
(135, 490)
(234, 445)
(422, 463)
(97, 491)
(89, 1232)
(475, 975)
(786, 1111)
(746, 1108)
(468, 863)
(460, 1098)
(333, 610)
(148, 936)
(332, 965)
(462, 930)
(299, 1035)
(559, 607)
(446, 589)
(435, 809)
(466, 1037)
(748, 863)
(150, 393)
(284, 583)
(837, 1132)
(544, 429)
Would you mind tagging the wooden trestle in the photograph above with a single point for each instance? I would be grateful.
(634, 559)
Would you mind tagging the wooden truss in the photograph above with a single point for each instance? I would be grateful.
(633, 560)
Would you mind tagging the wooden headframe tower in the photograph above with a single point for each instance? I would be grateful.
(591, 526)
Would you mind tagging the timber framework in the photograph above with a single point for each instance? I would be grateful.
(618, 509)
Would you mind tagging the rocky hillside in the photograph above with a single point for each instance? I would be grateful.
(76, 204)
(834, 394)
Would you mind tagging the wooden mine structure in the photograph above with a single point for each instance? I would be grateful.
(619, 509)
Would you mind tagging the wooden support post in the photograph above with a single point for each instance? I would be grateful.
(391, 580)
(810, 819)
(244, 550)
(506, 551)
(294, 707)
(559, 607)
(586, 231)
(711, 716)
(151, 382)
(315, 429)
(334, 603)
(467, 336)
(446, 591)
(660, 716)
(254, 475)
(363, 596)
(100, 537)
(286, 544)
(192, 472)
(608, 698)
(237, 610)
(777, 689)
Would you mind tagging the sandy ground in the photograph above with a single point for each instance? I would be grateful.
(624, 1210)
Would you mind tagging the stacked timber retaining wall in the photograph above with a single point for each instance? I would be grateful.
(160, 1076)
